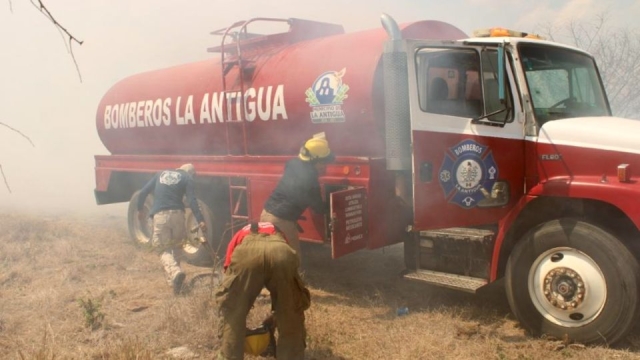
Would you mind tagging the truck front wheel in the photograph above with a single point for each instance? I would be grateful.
(570, 278)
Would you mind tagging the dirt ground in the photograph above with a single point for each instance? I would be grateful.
(75, 287)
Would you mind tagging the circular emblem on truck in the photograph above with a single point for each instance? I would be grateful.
(468, 173)
(326, 96)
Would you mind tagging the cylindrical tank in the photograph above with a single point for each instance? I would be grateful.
(331, 84)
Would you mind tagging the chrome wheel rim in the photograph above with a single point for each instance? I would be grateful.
(567, 287)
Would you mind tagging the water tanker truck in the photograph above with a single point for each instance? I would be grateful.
(490, 157)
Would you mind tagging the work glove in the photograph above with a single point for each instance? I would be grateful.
(203, 226)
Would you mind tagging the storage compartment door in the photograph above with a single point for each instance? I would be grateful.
(349, 221)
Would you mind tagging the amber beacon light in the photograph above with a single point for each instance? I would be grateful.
(502, 32)
(624, 173)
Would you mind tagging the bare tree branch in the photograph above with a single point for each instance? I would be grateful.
(19, 132)
(6, 183)
(38, 4)
(65, 34)
(43, 9)
(74, 59)
(5, 179)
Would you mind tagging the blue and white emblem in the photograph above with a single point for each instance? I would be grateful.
(169, 177)
(468, 172)
(326, 96)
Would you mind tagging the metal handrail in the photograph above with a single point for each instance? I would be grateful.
(243, 29)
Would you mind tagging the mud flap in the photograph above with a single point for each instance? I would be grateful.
(349, 221)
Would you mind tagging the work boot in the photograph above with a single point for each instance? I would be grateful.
(177, 283)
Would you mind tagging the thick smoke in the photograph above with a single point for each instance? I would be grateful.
(41, 94)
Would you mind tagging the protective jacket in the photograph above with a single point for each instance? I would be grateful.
(169, 187)
(297, 189)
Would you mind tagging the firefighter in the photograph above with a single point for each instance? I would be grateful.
(299, 189)
(169, 228)
(258, 256)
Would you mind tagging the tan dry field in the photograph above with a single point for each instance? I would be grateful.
(75, 287)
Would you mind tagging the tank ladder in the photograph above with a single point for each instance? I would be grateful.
(238, 196)
(239, 202)
(227, 64)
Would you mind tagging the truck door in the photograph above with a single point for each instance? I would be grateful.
(349, 225)
(468, 145)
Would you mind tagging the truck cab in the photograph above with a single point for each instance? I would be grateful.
(519, 171)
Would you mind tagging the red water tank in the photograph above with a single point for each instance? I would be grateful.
(292, 89)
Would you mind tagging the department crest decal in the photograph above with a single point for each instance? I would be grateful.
(468, 173)
(326, 96)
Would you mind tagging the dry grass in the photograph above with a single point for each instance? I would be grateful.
(59, 273)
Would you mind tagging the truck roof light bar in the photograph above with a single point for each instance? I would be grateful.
(502, 32)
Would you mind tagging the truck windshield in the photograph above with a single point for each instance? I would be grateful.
(562, 83)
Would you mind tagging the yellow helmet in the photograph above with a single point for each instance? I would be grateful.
(316, 149)
(256, 341)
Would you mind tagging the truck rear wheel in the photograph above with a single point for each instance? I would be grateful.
(192, 252)
(570, 278)
(140, 233)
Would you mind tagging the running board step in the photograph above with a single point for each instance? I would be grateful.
(452, 281)
(459, 234)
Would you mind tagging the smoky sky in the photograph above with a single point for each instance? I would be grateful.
(42, 96)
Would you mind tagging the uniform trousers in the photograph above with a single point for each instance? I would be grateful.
(263, 260)
(169, 231)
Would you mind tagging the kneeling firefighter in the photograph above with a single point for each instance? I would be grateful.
(259, 256)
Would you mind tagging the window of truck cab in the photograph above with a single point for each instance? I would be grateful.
(461, 82)
(562, 83)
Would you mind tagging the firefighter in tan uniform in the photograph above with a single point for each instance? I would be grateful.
(299, 189)
(258, 256)
(169, 228)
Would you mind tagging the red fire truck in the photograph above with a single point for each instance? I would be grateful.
(493, 156)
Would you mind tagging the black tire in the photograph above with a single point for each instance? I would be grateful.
(193, 252)
(549, 264)
(139, 233)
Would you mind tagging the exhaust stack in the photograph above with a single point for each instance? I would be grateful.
(396, 94)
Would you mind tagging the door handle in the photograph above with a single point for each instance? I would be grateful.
(426, 172)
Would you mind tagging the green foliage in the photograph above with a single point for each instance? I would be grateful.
(93, 317)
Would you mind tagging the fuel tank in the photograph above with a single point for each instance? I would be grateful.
(265, 96)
